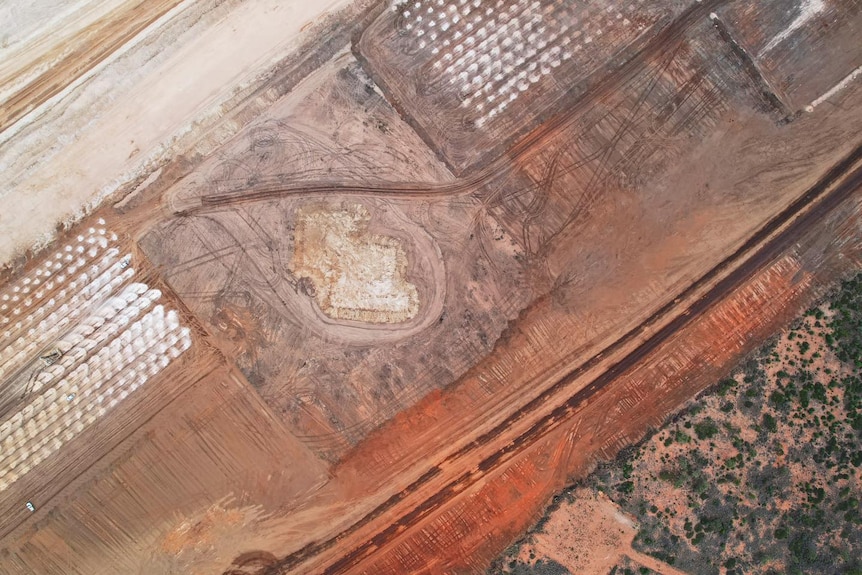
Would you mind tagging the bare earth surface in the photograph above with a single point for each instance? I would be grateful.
(587, 534)
(414, 313)
(760, 476)
(107, 127)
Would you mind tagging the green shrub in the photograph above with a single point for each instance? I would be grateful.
(725, 385)
(706, 429)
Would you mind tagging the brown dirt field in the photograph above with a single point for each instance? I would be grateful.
(642, 398)
(736, 324)
(165, 480)
(588, 534)
(769, 36)
(612, 260)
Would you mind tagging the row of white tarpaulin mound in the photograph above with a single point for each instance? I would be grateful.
(77, 336)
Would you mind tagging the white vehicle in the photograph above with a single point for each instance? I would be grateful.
(31, 507)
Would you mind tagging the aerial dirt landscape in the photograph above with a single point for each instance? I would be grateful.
(436, 286)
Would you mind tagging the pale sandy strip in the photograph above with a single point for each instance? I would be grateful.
(835, 89)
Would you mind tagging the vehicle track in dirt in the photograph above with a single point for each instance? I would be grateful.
(773, 237)
(80, 54)
(605, 81)
(836, 186)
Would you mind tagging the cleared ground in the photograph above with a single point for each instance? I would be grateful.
(399, 365)
(96, 99)
(760, 475)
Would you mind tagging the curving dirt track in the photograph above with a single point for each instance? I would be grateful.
(770, 240)
(841, 182)
(604, 83)
(573, 291)
(435, 487)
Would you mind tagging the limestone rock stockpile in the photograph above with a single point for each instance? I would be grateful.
(356, 275)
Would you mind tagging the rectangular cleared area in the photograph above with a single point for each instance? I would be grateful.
(474, 76)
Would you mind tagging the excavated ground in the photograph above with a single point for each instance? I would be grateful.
(396, 367)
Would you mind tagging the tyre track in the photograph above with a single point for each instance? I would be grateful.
(836, 186)
(561, 414)
(600, 83)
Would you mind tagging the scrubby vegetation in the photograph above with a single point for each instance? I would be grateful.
(540, 567)
(763, 474)
(628, 567)
(508, 563)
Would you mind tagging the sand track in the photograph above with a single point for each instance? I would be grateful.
(574, 287)
(540, 419)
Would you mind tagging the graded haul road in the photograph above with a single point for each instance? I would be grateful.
(559, 403)
(552, 408)
(601, 81)
(432, 480)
